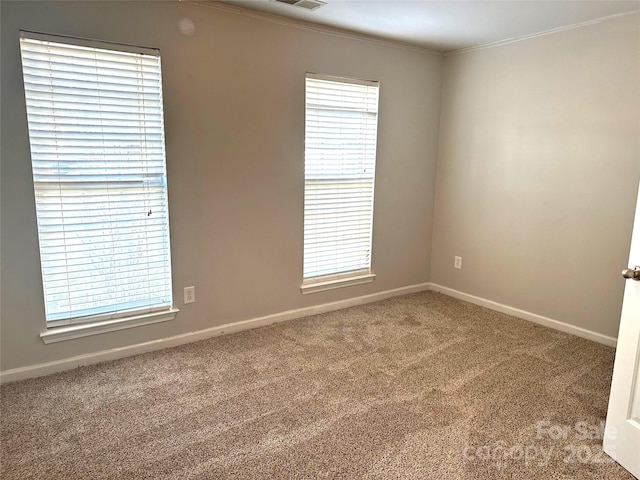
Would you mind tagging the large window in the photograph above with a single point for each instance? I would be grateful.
(97, 149)
(340, 159)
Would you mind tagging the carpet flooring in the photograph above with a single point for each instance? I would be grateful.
(421, 386)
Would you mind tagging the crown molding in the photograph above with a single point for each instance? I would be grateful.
(530, 36)
(308, 26)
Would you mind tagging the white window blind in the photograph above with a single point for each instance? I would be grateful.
(97, 150)
(340, 159)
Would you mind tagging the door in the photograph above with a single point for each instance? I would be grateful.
(622, 434)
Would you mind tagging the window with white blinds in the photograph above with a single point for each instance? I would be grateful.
(340, 159)
(97, 150)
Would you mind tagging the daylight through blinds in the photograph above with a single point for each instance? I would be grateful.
(340, 159)
(97, 148)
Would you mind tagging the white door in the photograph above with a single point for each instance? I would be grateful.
(622, 434)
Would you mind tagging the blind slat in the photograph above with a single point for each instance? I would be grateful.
(340, 155)
(97, 145)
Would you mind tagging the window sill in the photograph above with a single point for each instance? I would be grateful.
(60, 334)
(306, 288)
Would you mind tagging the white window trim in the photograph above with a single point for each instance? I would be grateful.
(345, 278)
(66, 329)
(60, 334)
(333, 283)
(87, 42)
(335, 78)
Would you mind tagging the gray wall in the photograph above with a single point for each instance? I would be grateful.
(538, 170)
(234, 117)
(537, 167)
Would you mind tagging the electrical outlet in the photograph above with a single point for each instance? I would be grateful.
(189, 294)
(457, 262)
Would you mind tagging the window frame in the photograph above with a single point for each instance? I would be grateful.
(319, 283)
(75, 326)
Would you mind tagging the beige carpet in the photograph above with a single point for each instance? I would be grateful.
(416, 387)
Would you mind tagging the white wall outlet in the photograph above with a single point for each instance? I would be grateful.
(457, 262)
(189, 294)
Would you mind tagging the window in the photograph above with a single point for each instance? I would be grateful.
(340, 158)
(97, 152)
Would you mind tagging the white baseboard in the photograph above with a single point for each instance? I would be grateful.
(47, 368)
(532, 317)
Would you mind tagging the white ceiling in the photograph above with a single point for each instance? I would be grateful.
(446, 25)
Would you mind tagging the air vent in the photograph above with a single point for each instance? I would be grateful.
(306, 4)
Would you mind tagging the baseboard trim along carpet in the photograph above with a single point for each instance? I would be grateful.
(47, 368)
(41, 369)
(523, 314)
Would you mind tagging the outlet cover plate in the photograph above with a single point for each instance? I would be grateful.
(189, 295)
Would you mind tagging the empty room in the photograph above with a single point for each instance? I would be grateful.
(297, 239)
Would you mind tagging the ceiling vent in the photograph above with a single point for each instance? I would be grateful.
(306, 4)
